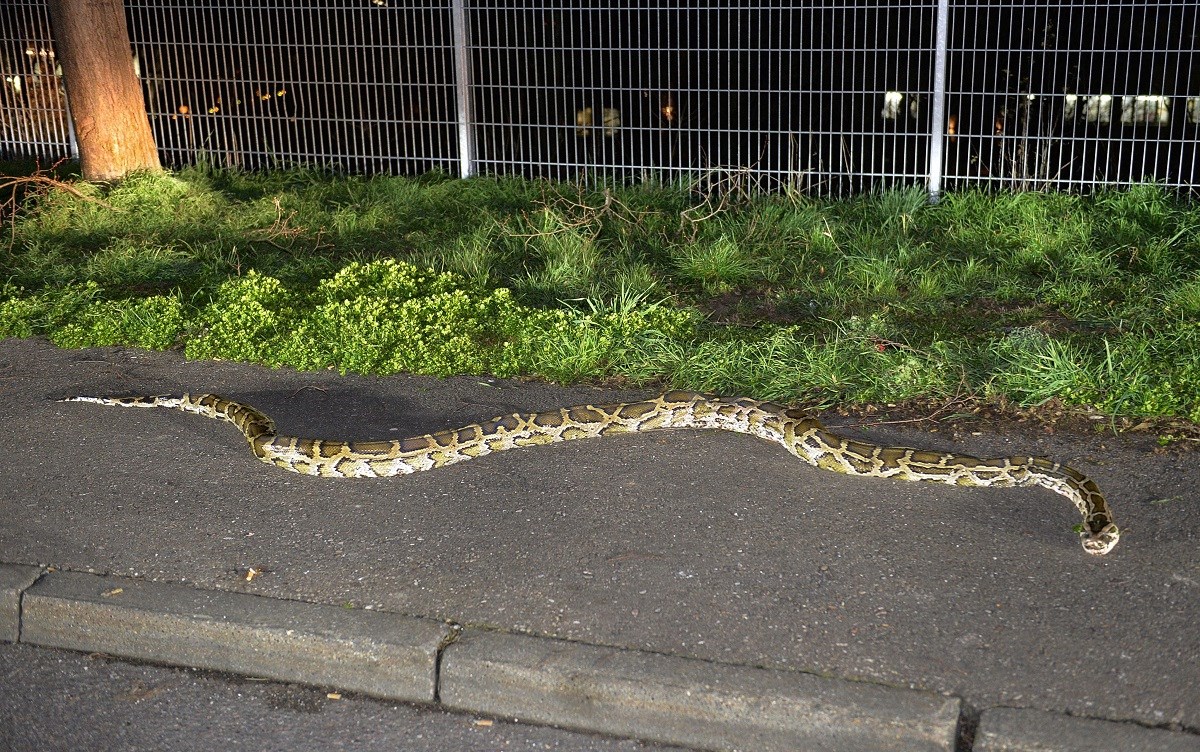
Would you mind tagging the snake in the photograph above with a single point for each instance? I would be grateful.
(803, 436)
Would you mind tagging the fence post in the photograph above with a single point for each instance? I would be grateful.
(462, 85)
(937, 125)
(72, 141)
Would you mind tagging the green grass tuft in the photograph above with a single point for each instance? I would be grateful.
(1091, 301)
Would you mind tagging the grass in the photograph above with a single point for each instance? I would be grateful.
(1091, 302)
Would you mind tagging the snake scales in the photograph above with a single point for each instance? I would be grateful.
(804, 437)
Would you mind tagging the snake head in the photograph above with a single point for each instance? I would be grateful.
(1102, 542)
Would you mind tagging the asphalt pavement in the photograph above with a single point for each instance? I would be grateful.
(694, 588)
(73, 702)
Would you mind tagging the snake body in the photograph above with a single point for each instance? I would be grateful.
(804, 437)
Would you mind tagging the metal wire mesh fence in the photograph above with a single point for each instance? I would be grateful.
(828, 96)
(776, 93)
(1065, 94)
(33, 113)
(367, 87)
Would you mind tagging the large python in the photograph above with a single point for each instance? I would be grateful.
(804, 437)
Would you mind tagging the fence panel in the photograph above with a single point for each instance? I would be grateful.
(828, 96)
(1070, 94)
(774, 93)
(364, 86)
(33, 104)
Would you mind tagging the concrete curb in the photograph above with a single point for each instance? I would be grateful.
(1023, 730)
(608, 690)
(364, 651)
(686, 701)
(14, 580)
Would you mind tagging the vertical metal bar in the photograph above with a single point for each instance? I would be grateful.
(72, 142)
(523, 141)
(462, 85)
(937, 124)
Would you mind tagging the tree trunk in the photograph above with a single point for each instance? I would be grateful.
(105, 97)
